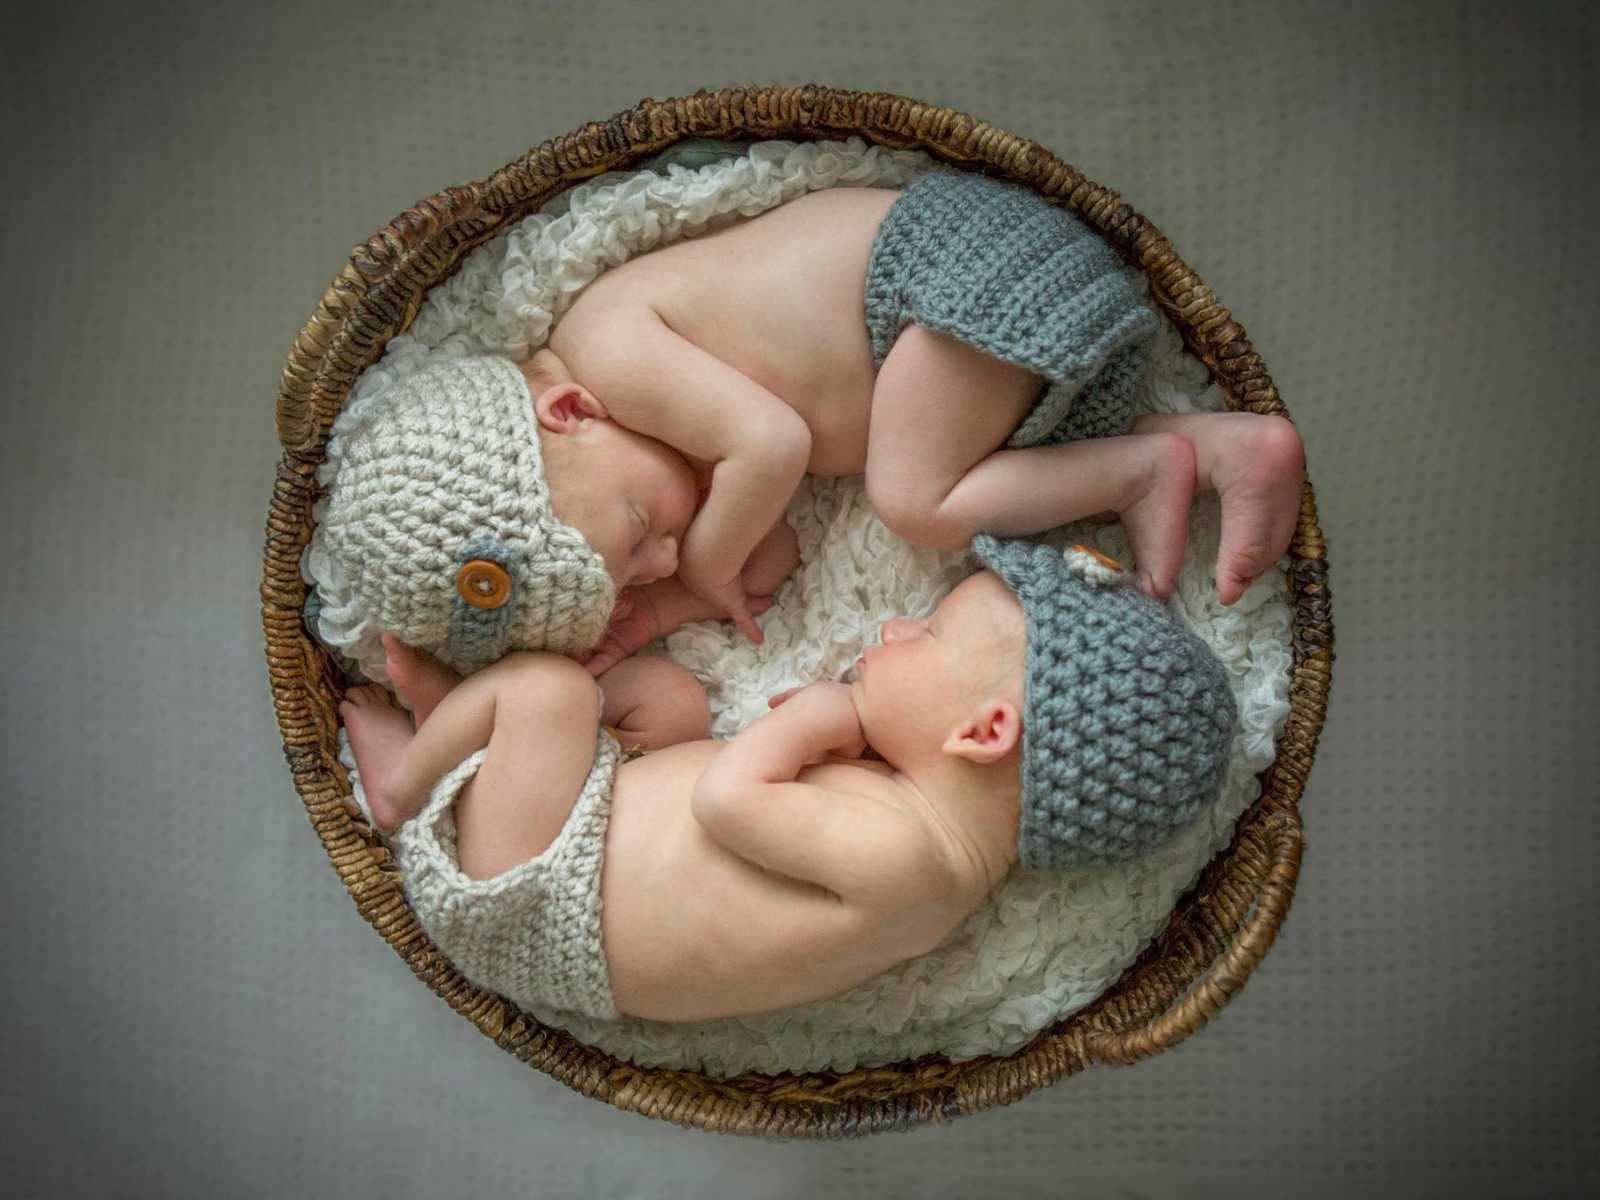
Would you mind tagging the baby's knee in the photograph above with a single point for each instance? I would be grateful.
(680, 710)
(654, 702)
(916, 513)
(546, 684)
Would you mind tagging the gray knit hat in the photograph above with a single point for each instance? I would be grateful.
(440, 520)
(1127, 716)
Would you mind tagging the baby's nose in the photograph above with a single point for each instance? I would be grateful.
(898, 630)
(664, 561)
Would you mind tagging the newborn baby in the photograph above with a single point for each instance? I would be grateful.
(954, 342)
(1047, 713)
(970, 347)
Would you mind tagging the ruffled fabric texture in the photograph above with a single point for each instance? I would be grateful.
(1044, 944)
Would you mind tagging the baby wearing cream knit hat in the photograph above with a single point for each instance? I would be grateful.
(800, 846)
(442, 521)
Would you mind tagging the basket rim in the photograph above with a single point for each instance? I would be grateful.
(1220, 928)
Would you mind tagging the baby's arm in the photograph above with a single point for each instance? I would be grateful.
(662, 385)
(654, 610)
(854, 845)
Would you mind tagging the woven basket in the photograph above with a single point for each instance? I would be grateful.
(1220, 928)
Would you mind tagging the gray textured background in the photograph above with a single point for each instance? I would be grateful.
(1395, 200)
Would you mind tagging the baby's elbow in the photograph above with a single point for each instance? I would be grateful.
(936, 886)
(702, 803)
(785, 442)
(710, 802)
(914, 876)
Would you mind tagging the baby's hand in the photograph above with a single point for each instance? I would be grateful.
(634, 624)
(769, 565)
(827, 707)
(726, 597)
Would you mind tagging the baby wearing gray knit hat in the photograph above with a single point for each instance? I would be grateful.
(1127, 716)
(1045, 713)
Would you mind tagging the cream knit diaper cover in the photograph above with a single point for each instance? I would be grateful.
(532, 933)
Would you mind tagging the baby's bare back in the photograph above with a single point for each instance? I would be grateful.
(780, 298)
(692, 931)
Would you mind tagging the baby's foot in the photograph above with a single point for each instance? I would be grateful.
(420, 678)
(379, 733)
(1257, 474)
(1157, 521)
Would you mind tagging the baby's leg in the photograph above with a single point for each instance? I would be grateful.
(420, 678)
(537, 714)
(653, 702)
(938, 407)
(936, 474)
(542, 713)
(1256, 465)
(398, 767)
(379, 734)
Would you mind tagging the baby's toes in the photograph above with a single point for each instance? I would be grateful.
(364, 696)
(1233, 578)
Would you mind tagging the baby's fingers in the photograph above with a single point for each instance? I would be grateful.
(746, 623)
(599, 662)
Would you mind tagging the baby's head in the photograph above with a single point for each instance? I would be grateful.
(1127, 717)
(946, 691)
(473, 516)
(630, 496)
(1051, 679)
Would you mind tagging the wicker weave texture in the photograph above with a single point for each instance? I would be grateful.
(1219, 930)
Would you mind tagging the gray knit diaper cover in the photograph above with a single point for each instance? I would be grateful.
(997, 266)
(532, 933)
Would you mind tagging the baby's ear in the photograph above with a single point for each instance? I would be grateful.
(562, 406)
(988, 735)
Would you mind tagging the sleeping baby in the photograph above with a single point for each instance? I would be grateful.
(1047, 713)
(969, 347)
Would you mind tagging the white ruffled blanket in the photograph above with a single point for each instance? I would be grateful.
(1043, 945)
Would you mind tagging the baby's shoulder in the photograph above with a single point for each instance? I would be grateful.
(886, 827)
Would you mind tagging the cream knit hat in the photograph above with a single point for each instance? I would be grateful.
(440, 519)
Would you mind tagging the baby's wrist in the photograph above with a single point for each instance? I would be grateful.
(704, 574)
(828, 708)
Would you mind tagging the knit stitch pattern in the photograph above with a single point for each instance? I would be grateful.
(446, 467)
(532, 933)
(1000, 268)
(1127, 718)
